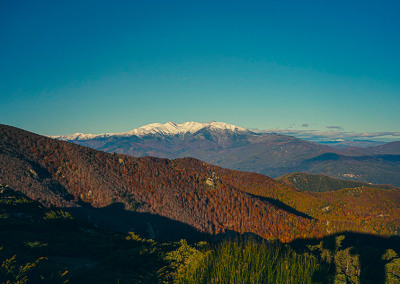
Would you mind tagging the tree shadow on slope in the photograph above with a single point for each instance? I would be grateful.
(356, 257)
(115, 217)
(282, 206)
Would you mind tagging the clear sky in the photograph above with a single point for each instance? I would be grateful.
(112, 66)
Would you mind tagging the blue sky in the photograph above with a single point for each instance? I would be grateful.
(112, 66)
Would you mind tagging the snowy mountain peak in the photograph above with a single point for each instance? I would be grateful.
(169, 128)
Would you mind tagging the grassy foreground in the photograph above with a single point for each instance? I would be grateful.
(252, 261)
(339, 259)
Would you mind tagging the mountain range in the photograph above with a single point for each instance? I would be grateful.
(238, 148)
(186, 197)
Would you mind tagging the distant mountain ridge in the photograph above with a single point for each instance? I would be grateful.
(238, 148)
(342, 144)
(215, 142)
(169, 128)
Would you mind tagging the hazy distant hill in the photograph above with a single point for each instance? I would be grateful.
(392, 148)
(237, 148)
(119, 191)
(343, 144)
(322, 183)
(382, 169)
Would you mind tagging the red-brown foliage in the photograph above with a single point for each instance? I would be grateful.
(207, 197)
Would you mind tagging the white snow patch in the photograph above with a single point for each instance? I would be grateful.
(169, 128)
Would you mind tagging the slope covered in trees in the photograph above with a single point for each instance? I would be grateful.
(186, 190)
(208, 198)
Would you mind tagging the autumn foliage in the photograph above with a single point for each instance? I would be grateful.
(208, 198)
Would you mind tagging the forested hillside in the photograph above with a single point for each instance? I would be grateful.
(185, 191)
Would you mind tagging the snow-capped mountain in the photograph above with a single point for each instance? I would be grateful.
(169, 128)
(215, 142)
(237, 148)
